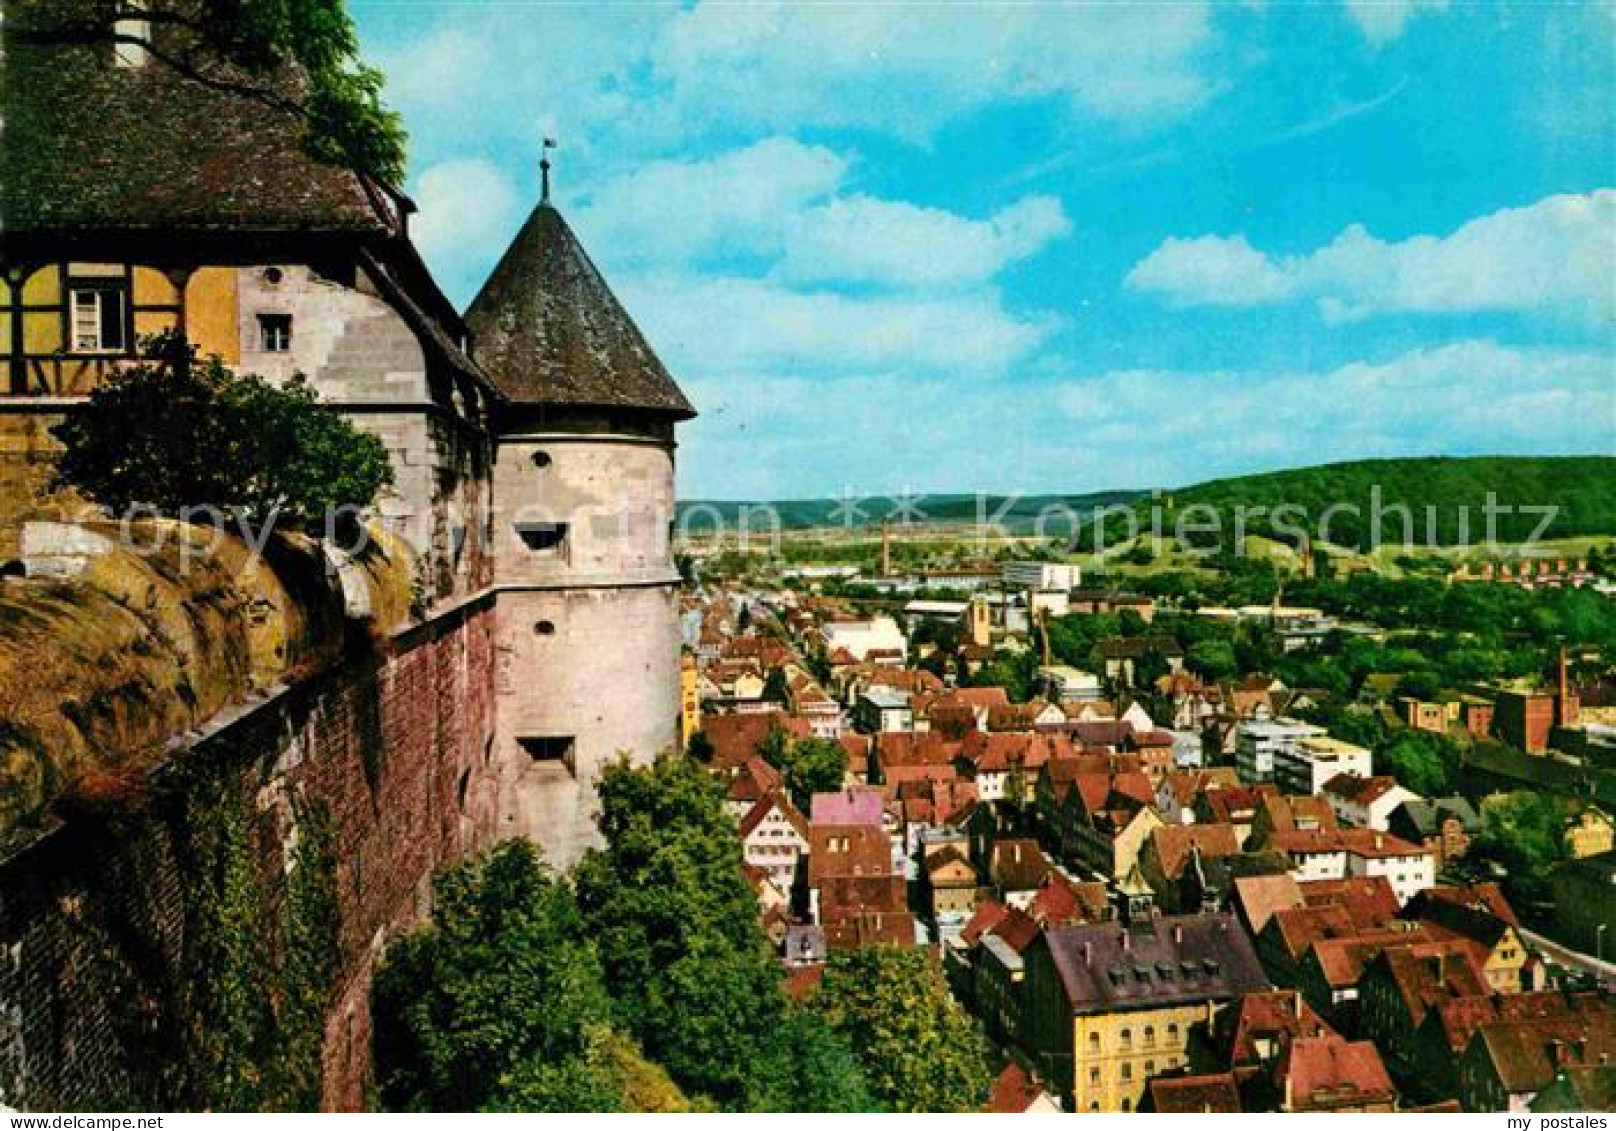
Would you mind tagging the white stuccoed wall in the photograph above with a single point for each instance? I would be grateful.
(607, 674)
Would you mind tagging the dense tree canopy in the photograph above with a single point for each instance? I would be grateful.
(678, 933)
(920, 1050)
(1524, 833)
(808, 765)
(500, 1000)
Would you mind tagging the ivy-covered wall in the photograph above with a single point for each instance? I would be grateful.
(209, 943)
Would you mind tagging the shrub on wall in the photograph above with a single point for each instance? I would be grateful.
(177, 433)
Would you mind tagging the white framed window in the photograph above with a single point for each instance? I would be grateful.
(97, 316)
(275, 333)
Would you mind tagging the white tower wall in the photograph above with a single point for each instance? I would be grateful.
(588, 634)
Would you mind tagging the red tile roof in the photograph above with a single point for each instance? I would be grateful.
(1194, 1095)
(762, 809)
(1174, 843)
(1258, 897)
(1266, 1016)
(986, 918)
(1324, 1073)
(1014, 1091)
(736, 738)
(1369, 901)
(1061, 902)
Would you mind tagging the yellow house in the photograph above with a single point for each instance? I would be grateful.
(1110, 1005)
(1479, 916)
(1589, 833)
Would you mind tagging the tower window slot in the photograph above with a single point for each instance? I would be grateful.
(542, 536)
(552, 750)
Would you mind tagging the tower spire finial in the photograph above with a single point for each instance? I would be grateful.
(544, 169)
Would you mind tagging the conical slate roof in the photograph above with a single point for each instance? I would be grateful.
(548, 329)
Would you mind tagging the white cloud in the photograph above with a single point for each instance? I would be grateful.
(1382, 21)
(781, 203)
(468, 212)
(1554, 257)
(1214, 270)
(734, 203)
(882, 66)
(497, 78)
(863, 240)
(737, 327)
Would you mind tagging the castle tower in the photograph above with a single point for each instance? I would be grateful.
(588, 647)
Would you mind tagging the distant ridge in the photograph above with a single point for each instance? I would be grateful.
(1582, 488)
(1016, 513)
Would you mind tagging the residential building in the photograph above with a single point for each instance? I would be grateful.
(1332, 854)
(1479, 916)
(1015, 1092)
(950, 883)
(1109, 1006)
(1589, 833)
(1507, 1063)
(883, 710)
(1123, 657)
(1304, 766)
(1261, 744)
(1367, 802)
(1193, 1095)
(1444, 825)
(861, 637)
(1328, 1074)
(774, 836)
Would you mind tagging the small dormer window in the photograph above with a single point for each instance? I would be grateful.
(131, 34)
(275, 333)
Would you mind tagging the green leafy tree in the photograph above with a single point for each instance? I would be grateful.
(611, 1075)
(678, 932)
(1524, 833)
(700, 747)
(1212, 659)
(775, 687)
(1420, 762)
(176, 433)
(807, 1067)
(494, 1001)
(920, 1051)
(808, 765)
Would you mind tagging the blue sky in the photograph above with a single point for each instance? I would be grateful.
(1026, 248)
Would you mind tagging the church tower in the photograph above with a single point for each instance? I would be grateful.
(587, 613)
